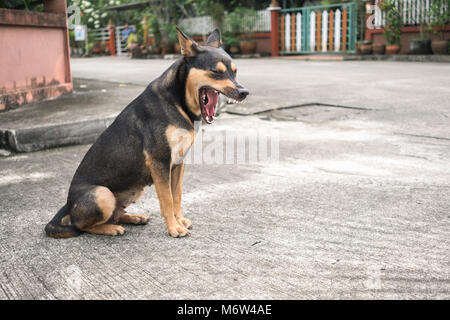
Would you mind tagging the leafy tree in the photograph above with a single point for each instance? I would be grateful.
(439, 13)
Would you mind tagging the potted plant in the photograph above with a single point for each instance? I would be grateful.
(156, 32)
(358, 46)
(240, 21)
(420, 45)
(378, 48)
(168, 41)
(393, 28)
(248, 46)
(366, 47)
(231, 43)
(439, 13)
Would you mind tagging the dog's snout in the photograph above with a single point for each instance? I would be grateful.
(243, 93)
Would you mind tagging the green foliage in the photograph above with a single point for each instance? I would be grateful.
(212, 8)
(231, 40)
(71, 37)
(439, 14)
(394, 23)
(328, 2)
(29, 5)
(155, 30)
(90, 47)
(171, 33)
(203, 6)
(240, 20)
(93, 13)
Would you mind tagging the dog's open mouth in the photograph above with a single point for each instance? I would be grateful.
(208, 102)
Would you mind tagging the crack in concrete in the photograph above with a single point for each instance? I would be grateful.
(311, 104)
(421, 136)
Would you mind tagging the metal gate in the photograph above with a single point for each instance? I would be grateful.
(317, 29)
(120, 45)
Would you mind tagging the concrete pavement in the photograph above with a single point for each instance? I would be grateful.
(357, 205)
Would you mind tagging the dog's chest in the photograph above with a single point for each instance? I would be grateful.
(180, 141)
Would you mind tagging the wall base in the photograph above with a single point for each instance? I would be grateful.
(14, 99)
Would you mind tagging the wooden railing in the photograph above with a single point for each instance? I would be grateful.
(318, 29)
(413, 12)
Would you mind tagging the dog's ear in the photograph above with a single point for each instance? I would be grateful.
(188, 46)
(214, 39)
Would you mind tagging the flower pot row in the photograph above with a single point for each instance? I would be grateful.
(377, 48)
(417, 46)
(244, 47)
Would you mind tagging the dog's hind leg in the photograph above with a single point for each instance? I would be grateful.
(60, 226)
(137, 219)
(92, 211)
(177, 189)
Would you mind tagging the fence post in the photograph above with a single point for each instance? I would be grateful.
(111, 42)
(274, 37)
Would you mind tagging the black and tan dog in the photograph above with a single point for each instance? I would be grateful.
(143, 146)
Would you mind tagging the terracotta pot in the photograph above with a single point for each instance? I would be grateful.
(439, 46)
(393, 49)
(156, 49)
(234, 49)
(366, 49)
(167, 48)
(248, 47)
(358, 47)
(420, 46)
(378, 48)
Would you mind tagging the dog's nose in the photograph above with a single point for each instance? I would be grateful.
(243, 93)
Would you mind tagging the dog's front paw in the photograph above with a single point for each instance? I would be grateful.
(185, 222)
(178, 231)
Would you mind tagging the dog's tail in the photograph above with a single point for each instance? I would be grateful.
(60, 226)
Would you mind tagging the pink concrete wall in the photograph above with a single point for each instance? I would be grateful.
(34, 55)
(31, 57)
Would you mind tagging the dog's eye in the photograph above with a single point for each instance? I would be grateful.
(215, 70)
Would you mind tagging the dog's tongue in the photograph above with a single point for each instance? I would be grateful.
(210, 107)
